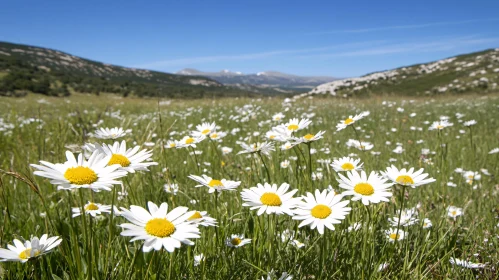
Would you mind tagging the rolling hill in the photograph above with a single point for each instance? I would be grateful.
(26, 68)
(469, 73)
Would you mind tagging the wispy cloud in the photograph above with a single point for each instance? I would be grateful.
(418, 47)
(400, 27)
(250, 56)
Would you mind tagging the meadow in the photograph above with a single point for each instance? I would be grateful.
(448, 229)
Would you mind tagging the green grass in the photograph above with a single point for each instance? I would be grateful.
(338, 254)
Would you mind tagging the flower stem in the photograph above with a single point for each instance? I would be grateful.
(265, 165)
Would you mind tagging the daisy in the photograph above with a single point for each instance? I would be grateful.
(470, 123)
(439, 125)
(471, 175)
(408, 217)
(171, 188)
(236, 241)
(323, 209)
(394, 234)
(270, 199)
(465, 264)
(204, 129)
(158, 228)
(171, 144)
(280, 133)
(202, 218)
(214, 184)
(346, 164)
(130, 160)
(407, 177)
(198, 259)
(311, 137)
(454, 212)
(109, 133)
(363, 146)
(278, 117)
(351, 120)
(372, 189)
(226, 150)
(30, 249)
(285, 164)
(264, 148)
(217, 135)
(92, 209)
(427, 223)
(75, 173)
(287, 146)
(189, 141)
(295, 124)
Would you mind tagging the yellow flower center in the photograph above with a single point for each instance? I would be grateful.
(91, 207)
(272, 136)
(160, 227)
(440, 126)
(26, 254)
(347, 166)
(277, 118)
(404, 180)
(236, 241)
(470, 176)
(308, 136)
(214, 135)
(172, 145)
(364, 189)
(394, 236)
(321, 211)
(454, 213)
(206, 131)
(189, 140)
(119, 159)
(195, 216)
(80, 175)
(293, 127)
(271, 199)
(215, 183)
(348, 121)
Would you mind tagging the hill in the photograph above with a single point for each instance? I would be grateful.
(469, 73)
(268, 79)
(26, 68)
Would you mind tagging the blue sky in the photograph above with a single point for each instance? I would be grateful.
(334, 38)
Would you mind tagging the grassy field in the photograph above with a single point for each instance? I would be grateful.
(41, 128)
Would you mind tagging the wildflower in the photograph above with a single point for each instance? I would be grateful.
(214, 184)
(158, 228)
(171, 144)
(494, 151)
(408, 217)
(130, 160)
(109, 133)
(454, 212)
(407, 177)
(394, 234)
(80, 173)
(198, 259)
(270, 199)
(278, 117)
(30, 249)
(171, 188)
(470, 123)
(311, 137)
(439, 125)
(323, 209)
(372, 189)
(226, 150)
(236, 241)
(202, 218)
(264, 148)
(465, 264)
(189, 141)
(427, 223)
(350, 120)
(363, 146)
(204, 129)
(93, 209)
(294, 125)
(346, 164)
(284, 164)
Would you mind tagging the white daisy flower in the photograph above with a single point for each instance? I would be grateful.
(407, 177)
(350, 120)
(311, 137)
(75, 173)
(270, 199)
(109, 133)
(346, 164)
(278, 117)
(287, 146)
(323, 209)
(130, 160)
(363, 146)
(264, 148)
(295, 124)
(408, 217)
(171, 188)
(472, 175)
(217, 135)
(30, 249)
(236, 241)
(280, 133)
(466, 264)
(171, 144)
(372, 189)
(427, 223)
(93, 209)
(213, 184)
(158, 228)
(285, 164)
(439, 125)
(198, 259)
(202, 218)
(204, 129)
(454, 212)
(394, 234)
(189, 141)
(226, 150)
(470, 123)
